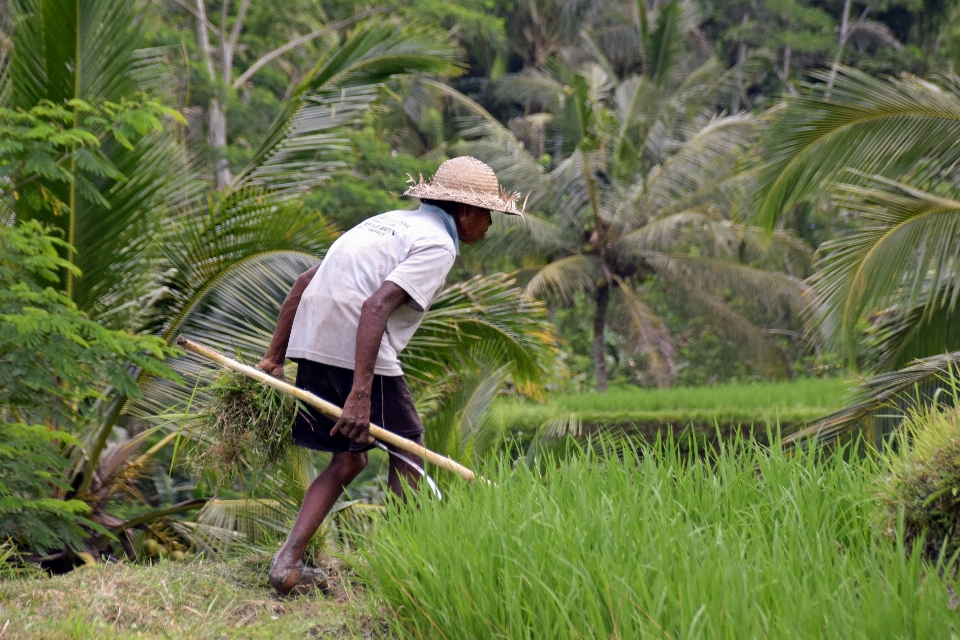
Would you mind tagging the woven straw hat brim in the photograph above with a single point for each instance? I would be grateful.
(493, 202)
(469, 181)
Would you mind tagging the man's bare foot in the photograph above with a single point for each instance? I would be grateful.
(293, 577)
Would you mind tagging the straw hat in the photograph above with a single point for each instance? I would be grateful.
(469, 181)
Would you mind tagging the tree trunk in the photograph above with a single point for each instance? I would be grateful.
(602, 299)
(216, 117)
(784, 73)
(217, 130)
(741, 56)
(844, 34)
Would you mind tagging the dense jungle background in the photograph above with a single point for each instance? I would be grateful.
(742, 229)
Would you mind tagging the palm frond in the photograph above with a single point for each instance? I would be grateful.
(458, 427)
(204, 245)
(899, 338)
(529, 85)
(254, 522)
(709, 156)
(525, 238)
(665, 233)
(489, 311)
(904, 257)
(554, 435)
(90, 51)
(338, 90)
(765, 290)
(562, 278)
(870, 125)
(897, 389)
(649, 335)
(701, 298)
(864, 32)
(235, 314)
(490, 141)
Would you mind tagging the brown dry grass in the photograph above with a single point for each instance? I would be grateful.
(192, 599)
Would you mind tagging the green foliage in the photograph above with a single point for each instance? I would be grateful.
(744, 543)
(890, 143)
(46, 144)
(32, 469)
(335, 92)
(476, 21)
(895, 394)
(920, 494)
(487, 315)
(645, 184)
(53, 360)
(54, 364)
(110, 195)
(377, 176)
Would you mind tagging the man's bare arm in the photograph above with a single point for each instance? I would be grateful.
(354, 422)
(272, 361)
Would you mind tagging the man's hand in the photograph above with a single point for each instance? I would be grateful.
(354, 421)
(271, 367)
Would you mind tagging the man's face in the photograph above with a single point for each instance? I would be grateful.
(472, 223)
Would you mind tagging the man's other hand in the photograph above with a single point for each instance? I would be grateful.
(274, 369)
(354, 421)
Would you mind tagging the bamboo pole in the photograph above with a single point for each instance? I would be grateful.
(328, 409)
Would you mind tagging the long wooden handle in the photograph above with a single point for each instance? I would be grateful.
(329, 409)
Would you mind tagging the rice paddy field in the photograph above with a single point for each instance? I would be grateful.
(744, 543)
(741, 541)
(704, 411)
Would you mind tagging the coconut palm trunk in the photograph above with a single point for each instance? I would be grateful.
(602, 300)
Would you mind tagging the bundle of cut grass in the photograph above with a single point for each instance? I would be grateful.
(924, 483)
(245, 422)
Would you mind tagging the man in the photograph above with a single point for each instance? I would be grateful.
(346, 320)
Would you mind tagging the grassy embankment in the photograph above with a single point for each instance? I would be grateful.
(193, 599)
(749, 544)
(702, 411)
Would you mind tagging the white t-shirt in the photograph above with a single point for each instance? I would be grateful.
(410, 248)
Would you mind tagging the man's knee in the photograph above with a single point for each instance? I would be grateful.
(350, 464)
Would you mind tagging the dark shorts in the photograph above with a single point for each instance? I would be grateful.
(391, 407)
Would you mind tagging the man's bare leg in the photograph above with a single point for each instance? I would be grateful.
(287, 570)
(401, 475)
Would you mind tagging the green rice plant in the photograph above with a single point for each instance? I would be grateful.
(802, 393)
(704, 414)
(811, 395)
(740, 543)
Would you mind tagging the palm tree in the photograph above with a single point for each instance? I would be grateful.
(150, 215)
(886, 151)
(93, 51)
(644, 183)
